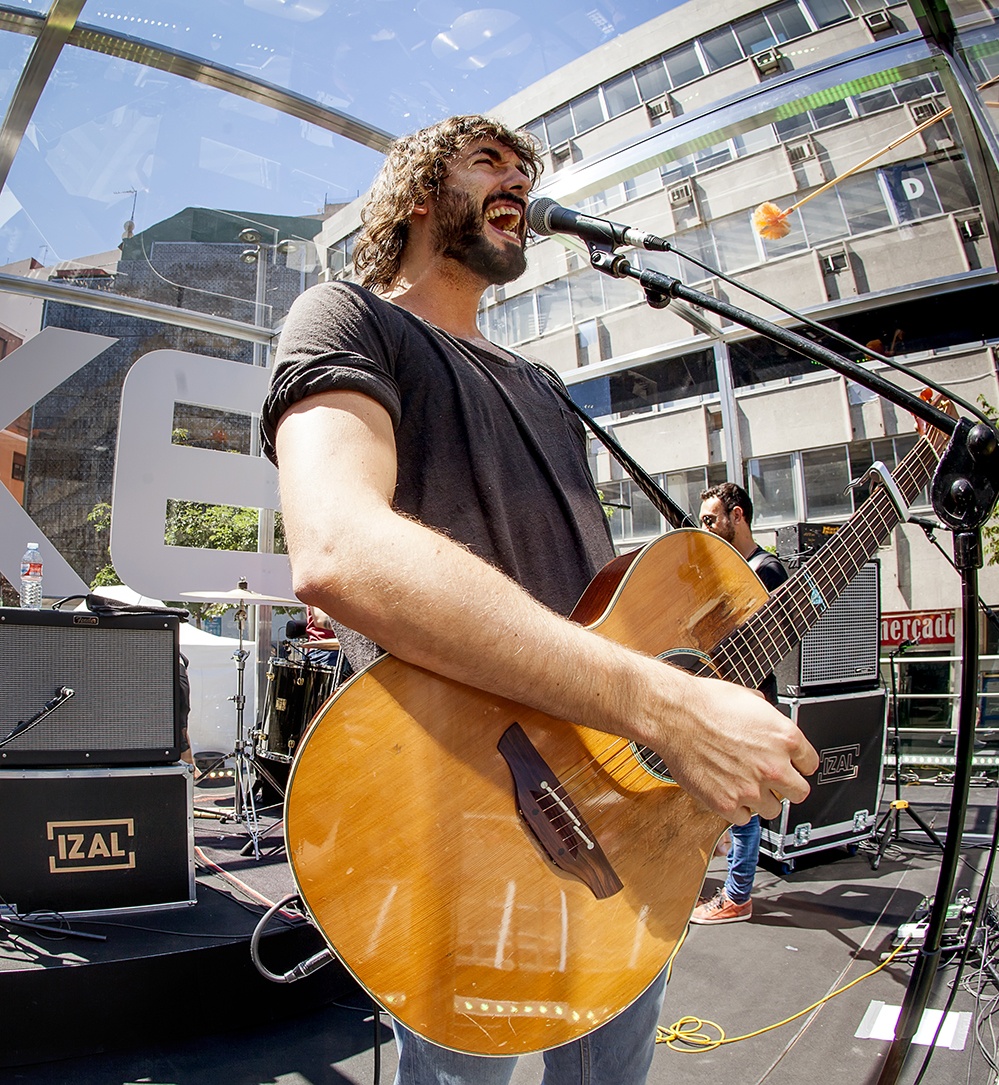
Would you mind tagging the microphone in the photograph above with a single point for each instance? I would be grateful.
(545, 216)
(926, 525)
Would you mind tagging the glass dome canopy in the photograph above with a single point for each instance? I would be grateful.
(128, 112)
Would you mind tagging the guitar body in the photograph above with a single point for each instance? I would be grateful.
(409, 852)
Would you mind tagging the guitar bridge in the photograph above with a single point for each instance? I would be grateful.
(554, 818)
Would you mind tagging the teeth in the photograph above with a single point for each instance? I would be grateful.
(505, 212)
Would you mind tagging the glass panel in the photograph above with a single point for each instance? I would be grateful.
(911, 191)
(652, 80)
(771, 489)
(559, 125)
(863, 203)
(790, 127)
(586, 294)
(827, 477)
(683, 65)
(833, 113)
(827, 12)
(720, 48)
(735, 240)
(587, 112)
(787, 21)
(754, 34)
(823, 218)
(553, 306)
(593, 396)
(686, 487)
(521, 318)
(874, 100)
(141, 146)
(713, 156)
(759, 139)
(642, 185)
(537, 129)
(620, 94)
(953, 182)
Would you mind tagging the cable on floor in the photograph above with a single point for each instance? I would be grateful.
(688, 1034)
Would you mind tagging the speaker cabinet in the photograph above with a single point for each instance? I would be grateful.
(848, 731)
(841, 651)
(124, 673)
(97, 840)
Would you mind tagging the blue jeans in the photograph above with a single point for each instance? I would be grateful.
(742, 860)
(618, 1053)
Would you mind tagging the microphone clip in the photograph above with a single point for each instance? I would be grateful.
(603, 258)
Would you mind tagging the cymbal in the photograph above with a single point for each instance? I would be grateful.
(241, 594)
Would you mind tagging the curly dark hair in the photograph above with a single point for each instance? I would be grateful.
(412, 171)
(732, 496)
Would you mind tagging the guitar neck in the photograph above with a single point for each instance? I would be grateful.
(750, 653)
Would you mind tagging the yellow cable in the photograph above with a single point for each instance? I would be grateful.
(688, 1033)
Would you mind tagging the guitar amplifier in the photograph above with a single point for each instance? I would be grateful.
(123, 672)
(842, 651)
(848, 731)
(97, 840)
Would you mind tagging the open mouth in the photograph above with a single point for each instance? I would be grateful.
(506, 218)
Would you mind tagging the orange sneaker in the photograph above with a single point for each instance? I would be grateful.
(719, 909)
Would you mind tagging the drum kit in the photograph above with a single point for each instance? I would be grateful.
(297, 686)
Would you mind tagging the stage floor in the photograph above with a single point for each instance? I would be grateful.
(814, 930)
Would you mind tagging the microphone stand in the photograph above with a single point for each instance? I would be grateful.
(888, 827)
(963, 493)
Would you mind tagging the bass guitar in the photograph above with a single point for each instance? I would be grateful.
(504, 882)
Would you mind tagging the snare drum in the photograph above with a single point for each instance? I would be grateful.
(295, 692)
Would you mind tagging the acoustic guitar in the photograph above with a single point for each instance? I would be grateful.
(504, 882)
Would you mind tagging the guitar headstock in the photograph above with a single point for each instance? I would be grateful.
(937, 438)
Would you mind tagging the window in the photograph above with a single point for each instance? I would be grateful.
(586, 295)
(827, 12)
(771, 489)
(754, 34)
(553, 306)
(643, 185)
(735, 241)
(874, 100)
(954, 184)
(633, 516)
(826, 473)
(537, 129)
(823, 218)
(787, 21)
(863, 203)
(17, 467)
(720, 49)
(620, 95)
(521, 319)
(683, 65)
(559, 125)
(912, 193)
(832, 113)
(587, 112)
(652, 79)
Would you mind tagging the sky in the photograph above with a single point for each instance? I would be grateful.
(109, 135)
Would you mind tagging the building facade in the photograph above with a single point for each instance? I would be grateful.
(683, 128)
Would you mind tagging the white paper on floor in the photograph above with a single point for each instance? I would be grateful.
(880, 1020)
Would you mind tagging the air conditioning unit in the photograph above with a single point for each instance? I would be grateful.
(659, 109)
(878, 21)
(767, 62)
(681, 195)
(800, 150)
(971, 228)
(563, 154)
(834, 262)
(923, 110)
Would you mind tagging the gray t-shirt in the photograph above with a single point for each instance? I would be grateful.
(488, 453)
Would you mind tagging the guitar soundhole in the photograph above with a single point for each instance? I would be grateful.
(689, 660)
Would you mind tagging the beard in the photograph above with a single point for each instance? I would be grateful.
(459, 233)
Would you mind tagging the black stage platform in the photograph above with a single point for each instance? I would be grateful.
(173, 997)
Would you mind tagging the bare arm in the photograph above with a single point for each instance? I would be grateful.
(429, 601)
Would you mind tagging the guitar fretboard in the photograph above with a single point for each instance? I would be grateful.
(750, 653)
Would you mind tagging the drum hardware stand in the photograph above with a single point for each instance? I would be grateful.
(246, 766)
(888, 827)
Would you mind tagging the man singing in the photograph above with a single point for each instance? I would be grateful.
(438, 505)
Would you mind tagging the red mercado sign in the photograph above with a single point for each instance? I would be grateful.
(929, 626)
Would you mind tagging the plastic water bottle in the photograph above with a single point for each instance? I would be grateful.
(31, 578)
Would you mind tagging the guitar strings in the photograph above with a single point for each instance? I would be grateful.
(793, 610)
